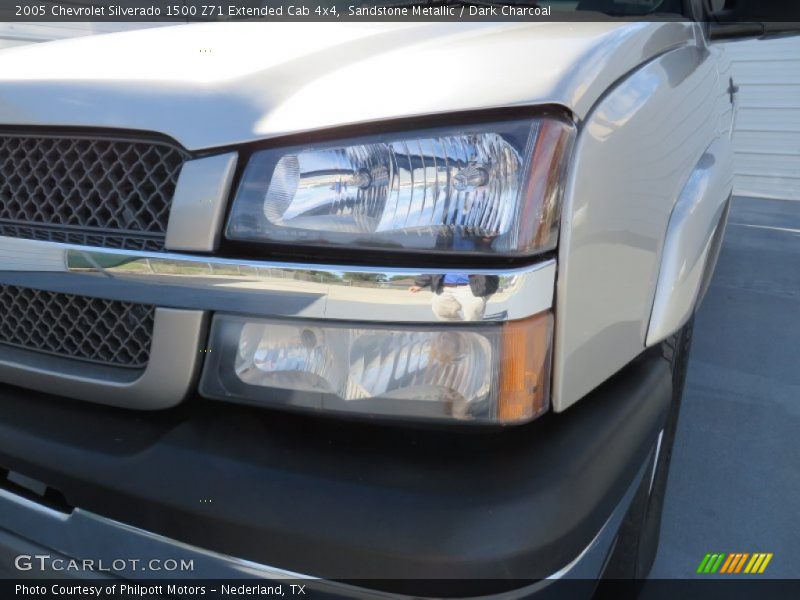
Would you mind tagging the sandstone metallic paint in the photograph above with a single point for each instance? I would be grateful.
(648, 97)
(635, 154)
(212, 85)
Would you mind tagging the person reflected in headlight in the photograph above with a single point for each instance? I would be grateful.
(459, 296)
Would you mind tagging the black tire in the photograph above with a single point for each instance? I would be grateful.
(637, 542)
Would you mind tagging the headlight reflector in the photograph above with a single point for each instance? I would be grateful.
(472, 189)
(489, 373)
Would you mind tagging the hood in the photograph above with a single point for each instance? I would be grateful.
(212, 85)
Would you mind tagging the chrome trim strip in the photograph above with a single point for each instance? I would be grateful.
(198, 205)
(174, 365)
(655, 461)
(272, 289)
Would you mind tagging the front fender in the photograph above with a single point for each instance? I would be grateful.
(691, 244)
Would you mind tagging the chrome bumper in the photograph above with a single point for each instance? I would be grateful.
(186, 288)
(264, 288)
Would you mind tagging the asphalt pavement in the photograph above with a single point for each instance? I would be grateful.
(734, 483)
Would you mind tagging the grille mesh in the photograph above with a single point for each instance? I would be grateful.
(97, 192)
(90, 329)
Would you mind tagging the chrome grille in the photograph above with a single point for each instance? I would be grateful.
(89, 329)
(89, 191)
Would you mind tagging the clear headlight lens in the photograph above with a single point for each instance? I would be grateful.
(486, 189)
(492, 373)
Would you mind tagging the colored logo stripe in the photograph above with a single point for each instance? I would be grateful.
(733, 563)
(710, 563)
(737, 563)
(741, 562)
(758, 563)
(728, 562)
(703, 563)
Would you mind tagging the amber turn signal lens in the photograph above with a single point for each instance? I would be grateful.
(524, 392)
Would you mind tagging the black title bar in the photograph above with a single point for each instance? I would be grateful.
(183, 11)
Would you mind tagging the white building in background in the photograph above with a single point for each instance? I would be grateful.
(767, 130)
(768, 126)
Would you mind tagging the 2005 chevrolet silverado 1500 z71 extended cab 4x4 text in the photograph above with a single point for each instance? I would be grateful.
(385, 302)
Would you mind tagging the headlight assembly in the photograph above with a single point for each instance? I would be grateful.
(497, 373)
(488, 189)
